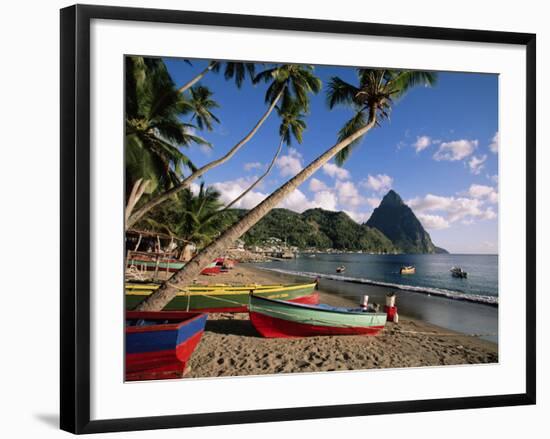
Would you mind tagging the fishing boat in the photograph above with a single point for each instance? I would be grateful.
(143, 264)
(159, 344)
(222, 298)
(409, 269)
(278, 318)
(459, 272)
(212, 269)
(225, 263)
(340, 269)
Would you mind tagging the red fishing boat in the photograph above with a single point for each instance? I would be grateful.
(159, 344)
(278, 318)
(212, 269)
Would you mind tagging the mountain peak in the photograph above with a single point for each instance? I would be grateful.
(398, 222)
(392, 198)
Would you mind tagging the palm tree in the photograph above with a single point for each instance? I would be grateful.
(237, 70)
(154, 131)
(201, 105)
(372, 97)
(292, 125)
(287, 81)
(193, 217)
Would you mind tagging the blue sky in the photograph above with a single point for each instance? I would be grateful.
(439, 151)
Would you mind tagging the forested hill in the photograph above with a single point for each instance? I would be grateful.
(317, 228)
(392, 228)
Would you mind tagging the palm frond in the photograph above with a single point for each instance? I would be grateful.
(340, 92)
(358, 121)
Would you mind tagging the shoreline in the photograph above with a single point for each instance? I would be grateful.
(230, 345)
(449, 294)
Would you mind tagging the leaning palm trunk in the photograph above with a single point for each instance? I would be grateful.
(138, 189)
(160, 298)
(260, 178)
(197, 78)
(133, 219)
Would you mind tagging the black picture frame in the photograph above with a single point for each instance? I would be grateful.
(75, 217)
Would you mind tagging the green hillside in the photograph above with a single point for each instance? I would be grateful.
(317, 228)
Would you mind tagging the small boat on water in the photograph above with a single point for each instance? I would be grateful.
(408, 269)
(278, 318)
(459, 272)
(159, 344)
(340, 269)
(222, 298)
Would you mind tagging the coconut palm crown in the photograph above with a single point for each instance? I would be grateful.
(371, 98)
(295, 81)
(155, 132)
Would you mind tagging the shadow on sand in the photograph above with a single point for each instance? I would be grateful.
(232, 327)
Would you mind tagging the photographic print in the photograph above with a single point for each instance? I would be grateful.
(288, 218)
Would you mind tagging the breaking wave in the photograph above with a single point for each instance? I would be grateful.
(450, 294)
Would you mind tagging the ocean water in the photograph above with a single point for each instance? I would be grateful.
(432, 275)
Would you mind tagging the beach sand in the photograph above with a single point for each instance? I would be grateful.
(230, 345)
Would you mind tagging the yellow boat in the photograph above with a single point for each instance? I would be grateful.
(410, 269)
(222, 298)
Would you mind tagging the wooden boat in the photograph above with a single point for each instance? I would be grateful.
(225, 263)
(459, 272)
(223, 298)
(409, 269)
(212, 269)
(159, 344)
(277, 318)
(340, 269)
(170, 265)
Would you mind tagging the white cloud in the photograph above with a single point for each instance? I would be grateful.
(231, 189)
(378, 183)
(289, 165)
(373, 201)
(495, 142)
(422, 143)
(493, 178)
(253, 165)
(433, 222)
(348, 195)
(335, 171)
(430, 203)
(296, 201)
(194, 188)
(316, 185)
(489, 214)
(455, 208)
(455, 150)
(358, 217)
(325, 200)
(481, 191)
(476, 164)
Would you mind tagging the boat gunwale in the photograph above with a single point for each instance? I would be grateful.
(173, 326)
(222, 292)
(314, 307)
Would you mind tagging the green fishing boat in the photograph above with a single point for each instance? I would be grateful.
(282, 319)
(222, 298)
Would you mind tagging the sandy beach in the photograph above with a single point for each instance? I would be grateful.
(230, 345)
